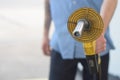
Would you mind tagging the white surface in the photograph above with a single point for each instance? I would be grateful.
(115, 33)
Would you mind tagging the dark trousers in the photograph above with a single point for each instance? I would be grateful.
(61, 69)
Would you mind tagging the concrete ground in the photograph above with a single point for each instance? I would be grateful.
(20, 44)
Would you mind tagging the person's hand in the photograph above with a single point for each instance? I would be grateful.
(46, 46)
(100, 44)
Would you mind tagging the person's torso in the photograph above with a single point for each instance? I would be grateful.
(62, 40)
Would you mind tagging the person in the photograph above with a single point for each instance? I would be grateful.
(66, 52)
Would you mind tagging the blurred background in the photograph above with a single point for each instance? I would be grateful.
(21, 28)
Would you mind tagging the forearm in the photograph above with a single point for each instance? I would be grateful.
(47, 21)
(107, 11)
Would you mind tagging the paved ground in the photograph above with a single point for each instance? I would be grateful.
(20, 44)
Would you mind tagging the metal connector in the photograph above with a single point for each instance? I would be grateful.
(81, 26)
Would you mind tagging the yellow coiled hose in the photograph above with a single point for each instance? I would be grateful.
(88, 37)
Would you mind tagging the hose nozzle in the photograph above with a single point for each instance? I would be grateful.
(81, 26)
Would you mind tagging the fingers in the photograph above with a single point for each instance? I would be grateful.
(100, 44)
(100, 49)
(46, 47)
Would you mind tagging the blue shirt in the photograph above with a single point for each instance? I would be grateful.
(61, 40)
